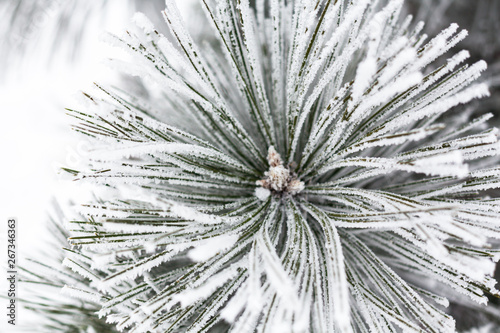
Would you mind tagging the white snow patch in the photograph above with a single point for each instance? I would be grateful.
(262, 193)
(211, 247)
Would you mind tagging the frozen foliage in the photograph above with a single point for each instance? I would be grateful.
(300, 173)
(56, 31)
(52, 310)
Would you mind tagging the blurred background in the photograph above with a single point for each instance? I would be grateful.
(50, 51)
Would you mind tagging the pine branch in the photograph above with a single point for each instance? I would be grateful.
(321, 181)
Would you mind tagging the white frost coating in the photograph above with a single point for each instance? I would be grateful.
(458, 58)
(262, 193)
(192, 214)
(383, 95)
(138, 228)
(91, 330)
(190, 296)
(339, 298)
(138, 268)
(255, 297)
(143, 22)
(251, 44)
(81, 294)
(206, 249)
(439, 45)
(404, 58)
(170, 148)
(392, 139)
(444, 164)
(368, 67)
(236, 304)
(447, 166)
(493, 172)
(364, 74)
(439, 106)
(79, 269)
(102, 260)
(276, 274)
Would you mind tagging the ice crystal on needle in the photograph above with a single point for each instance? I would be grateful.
(298, 173)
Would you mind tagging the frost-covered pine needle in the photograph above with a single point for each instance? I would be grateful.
(307, 170)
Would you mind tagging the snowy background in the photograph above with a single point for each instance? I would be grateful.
(50, 52)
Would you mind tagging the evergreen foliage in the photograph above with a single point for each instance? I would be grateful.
(299, 173)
